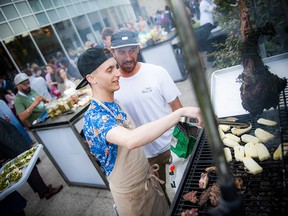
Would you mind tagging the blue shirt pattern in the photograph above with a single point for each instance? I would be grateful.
(97, 122)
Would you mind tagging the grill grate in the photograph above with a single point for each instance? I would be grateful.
(264, 193)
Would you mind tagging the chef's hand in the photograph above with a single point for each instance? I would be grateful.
(194, 112)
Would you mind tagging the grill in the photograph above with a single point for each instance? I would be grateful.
(264, 193)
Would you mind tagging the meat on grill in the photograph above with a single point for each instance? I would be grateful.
(191, 212)
(214, 195)
(204, 180)
(239, 183)
(211, 169)
(204, 197)
(191, 196)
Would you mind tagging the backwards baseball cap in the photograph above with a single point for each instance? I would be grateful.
(89, 61)
(123, 38)
(20, 78)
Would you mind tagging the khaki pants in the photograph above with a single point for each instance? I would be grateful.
(162, 159)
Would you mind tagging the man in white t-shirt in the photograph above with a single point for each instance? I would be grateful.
(206, 12)
(147, 92)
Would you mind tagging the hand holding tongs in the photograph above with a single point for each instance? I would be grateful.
(236, 123)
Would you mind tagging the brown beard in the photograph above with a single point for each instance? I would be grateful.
(128, 69)
(27, 91)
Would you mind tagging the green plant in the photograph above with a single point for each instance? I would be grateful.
(260, 12)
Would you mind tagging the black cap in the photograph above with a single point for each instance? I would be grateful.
(89, 61)
(124, 38)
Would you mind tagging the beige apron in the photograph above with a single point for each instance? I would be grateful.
(135, 189)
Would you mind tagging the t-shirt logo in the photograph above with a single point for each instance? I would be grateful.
(147, 90)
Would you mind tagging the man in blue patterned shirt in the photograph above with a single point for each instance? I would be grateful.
(115, 142)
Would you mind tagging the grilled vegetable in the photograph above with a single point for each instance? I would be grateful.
(224, 128)
(266, 122)
(262, 151)
(221, 133)
(239, 152)
(233, 137)
(263, 135)
(277, 155)
(240, 131)
(230, 143)
(250, 150)
(227, 154)
(252, 166)
(249, 138)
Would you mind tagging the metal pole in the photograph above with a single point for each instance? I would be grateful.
(230, 200)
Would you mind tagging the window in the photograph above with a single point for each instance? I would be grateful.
(47, 4)
(5, 31)
(10, 12)
(2, 19)
(23, 8)
(18, 26)
(62, 13)
(30, 22)
(79, 9)
(53, 15)
(42, 19)
(57, 3)
(35, 5)
(71, 11)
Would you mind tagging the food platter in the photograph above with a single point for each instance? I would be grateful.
(16, 171)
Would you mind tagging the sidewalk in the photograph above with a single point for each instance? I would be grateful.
(86, 201)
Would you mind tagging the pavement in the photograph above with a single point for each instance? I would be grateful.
(87, 201)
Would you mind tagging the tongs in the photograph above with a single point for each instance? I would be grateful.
(235, 123)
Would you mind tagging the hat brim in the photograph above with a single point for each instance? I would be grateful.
(124, 45)
(82, 84)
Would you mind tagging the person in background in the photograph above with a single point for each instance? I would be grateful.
(206, 12)
(5, 83)
(39, 72)
(193, 5)
(64, 82)
(13, 204)
(38, 84)
(90, 44)
(12, 143)
(7, 114)
(59, 57)
(73, 55)
(147, 93)
(106, 36)
(71, 70)
(168, 14)
(33, 68)
(132, 25)
(114, 141)
(28, 103)
(51, 80)
(8, 97)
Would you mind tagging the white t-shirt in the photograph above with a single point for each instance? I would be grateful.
(206, 12)
(145, 96)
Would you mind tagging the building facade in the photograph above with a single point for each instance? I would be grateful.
(33, 31)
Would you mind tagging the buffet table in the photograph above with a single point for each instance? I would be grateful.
(67, 149)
